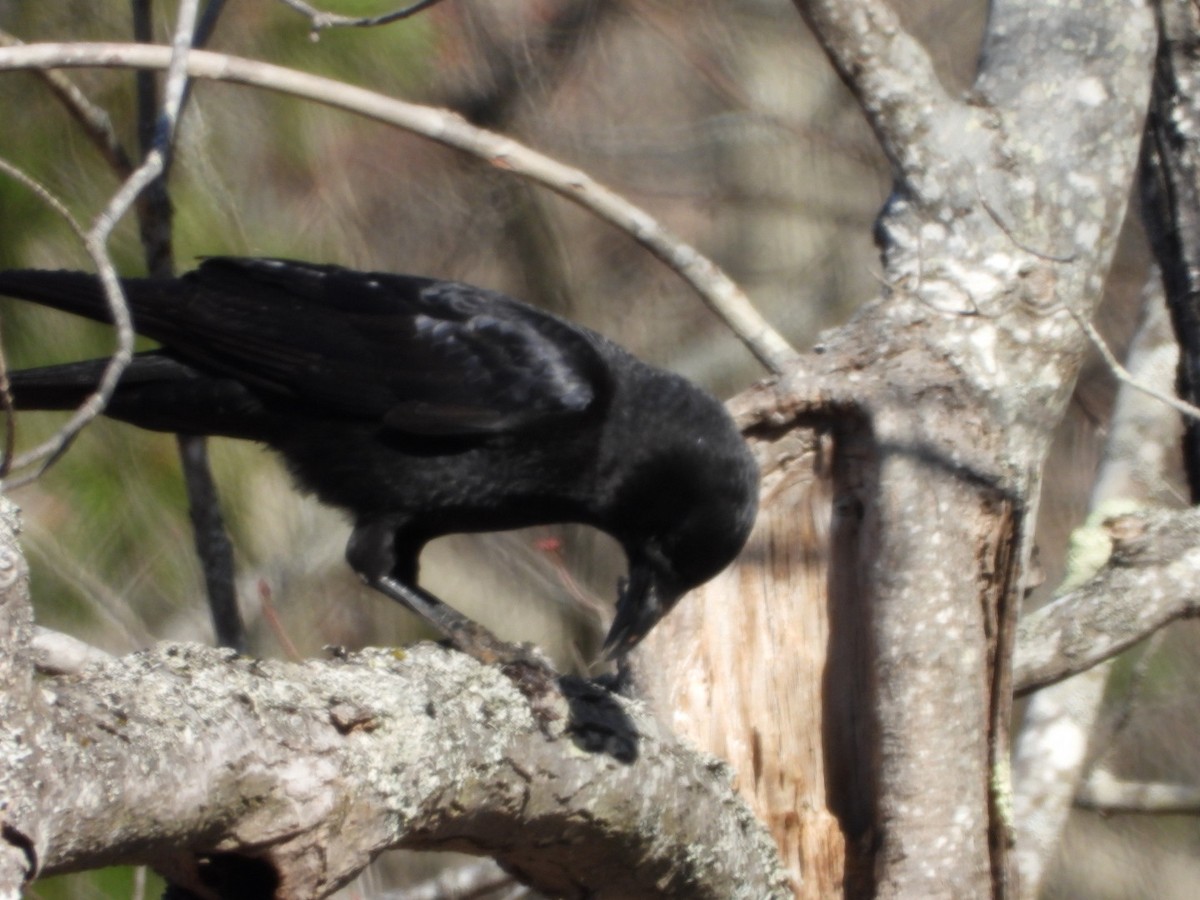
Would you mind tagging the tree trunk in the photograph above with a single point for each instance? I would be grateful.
(913, 522)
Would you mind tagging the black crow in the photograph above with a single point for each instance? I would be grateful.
(424, 408)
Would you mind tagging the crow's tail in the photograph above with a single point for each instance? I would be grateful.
(74, 292)
(155, 392)
(56, 387)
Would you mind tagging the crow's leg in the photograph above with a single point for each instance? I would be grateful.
(524, 664)
(374, 552)
(464, 633)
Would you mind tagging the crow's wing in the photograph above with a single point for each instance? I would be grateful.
(427, 357)
(419, 355)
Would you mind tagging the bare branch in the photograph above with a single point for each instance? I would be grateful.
(177, 74)
(95, 241)
(1122, 374)
(211, 539)
(97, 124)
(717, 290)
(52, 448)
(1171, 197)
(1057, 736)
(423, 749)
(321, 19)
(1152, 578)
(1107, 794)
(890, 73)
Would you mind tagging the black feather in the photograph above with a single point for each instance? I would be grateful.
(424, 408)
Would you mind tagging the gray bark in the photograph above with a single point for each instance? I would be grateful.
(999, 233)
(212, 766)
(1051, 750)
(1152, 578)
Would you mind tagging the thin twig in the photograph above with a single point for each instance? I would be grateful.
(50, 450)
(321, 19)
(177, 73)
(214, 548)
(717, 290)
(97, 124)
(1017, 242)
(275, 623)
(44, 194)
(157, 131)
(96, 239)
(204, 32)
(1122, 374)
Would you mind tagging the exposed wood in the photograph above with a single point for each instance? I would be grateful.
(752, 644)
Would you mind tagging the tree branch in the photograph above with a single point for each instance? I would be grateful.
(1058, 728)
(717, 290)
(96, 122)
(1004, 219)
(56, 653)
(1107, 794)
(209, 535)
(890, 73)
(94, 241)
(1152, 578)
(321, 19)
(203, 763)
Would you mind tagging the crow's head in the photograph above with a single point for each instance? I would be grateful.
(685, 517)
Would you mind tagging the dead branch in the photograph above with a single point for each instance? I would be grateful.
(1152, 578)
(202, 763)
(717, 290)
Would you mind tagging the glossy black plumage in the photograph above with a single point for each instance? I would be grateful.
(424, 408)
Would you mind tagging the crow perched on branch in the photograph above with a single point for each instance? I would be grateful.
(426, 408)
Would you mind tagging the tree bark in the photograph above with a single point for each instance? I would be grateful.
(941, 397)
(214, 767)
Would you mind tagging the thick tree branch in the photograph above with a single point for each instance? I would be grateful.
(1002, 224)
(1152, 578)
(20, 732)
(717, 290)
(892, 76)
(201, 762)
(313, 769)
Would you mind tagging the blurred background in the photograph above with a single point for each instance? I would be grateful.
(723, 120)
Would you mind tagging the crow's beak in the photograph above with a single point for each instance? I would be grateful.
(642, 600)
